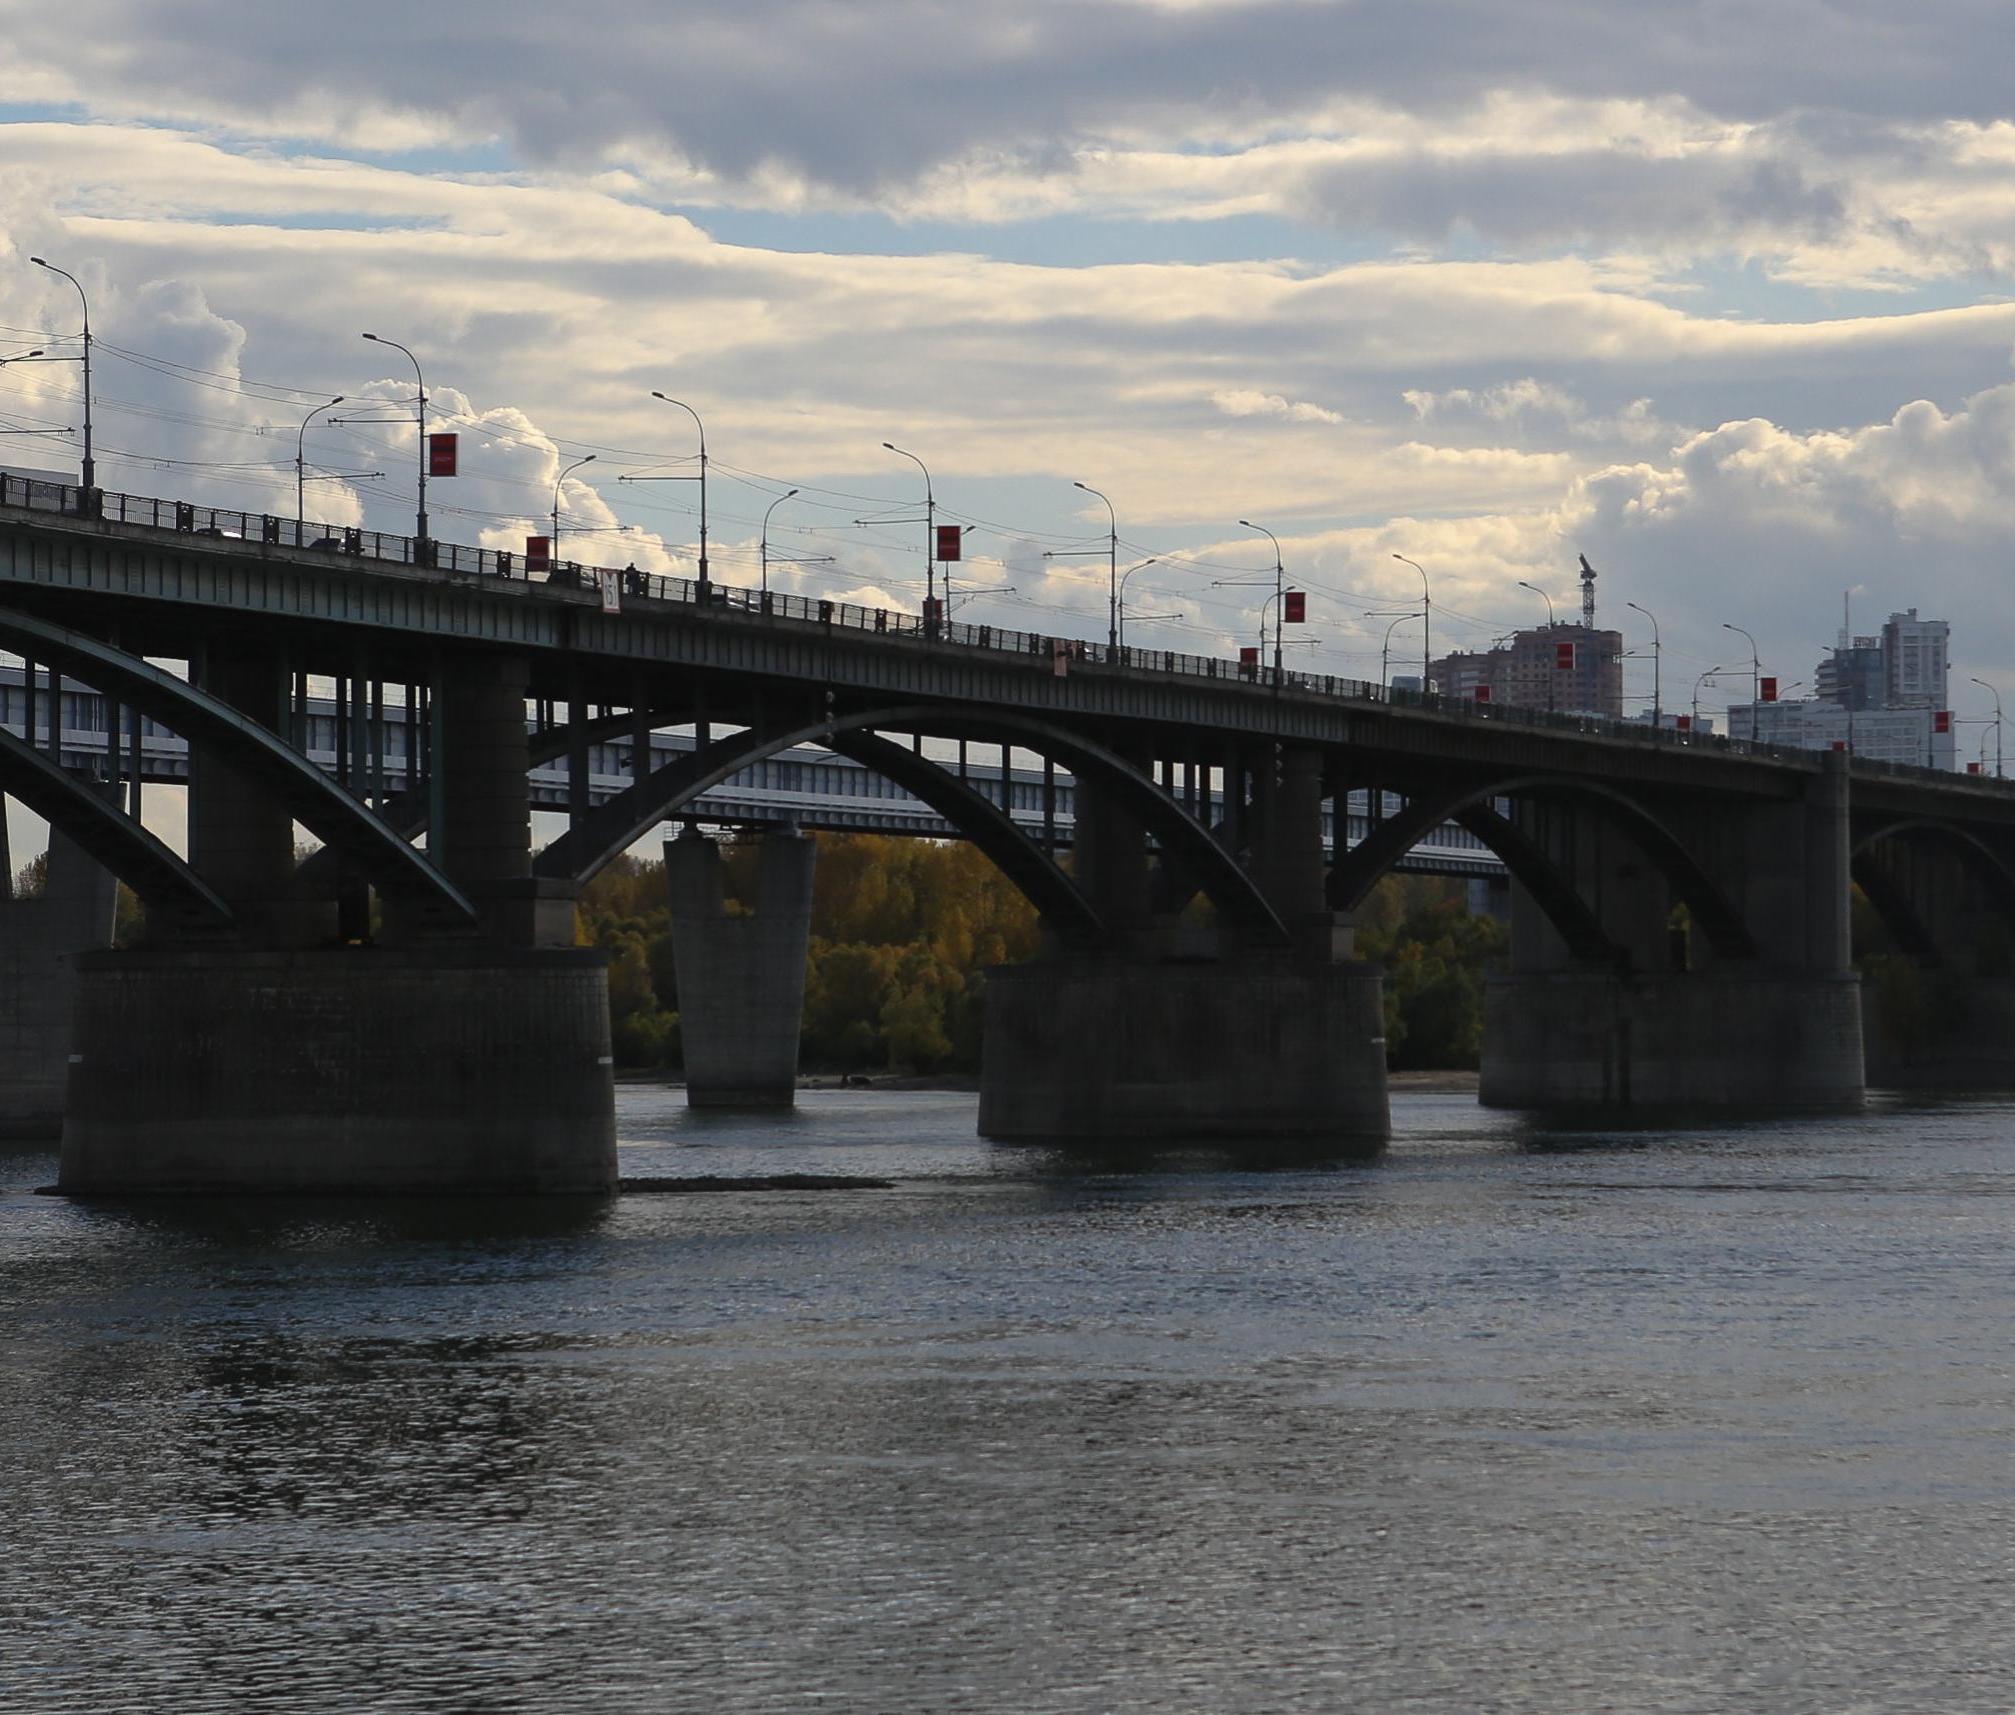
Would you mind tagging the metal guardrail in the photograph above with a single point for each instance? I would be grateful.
(1065, 654)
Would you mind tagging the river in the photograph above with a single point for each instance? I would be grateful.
(1503, 1420)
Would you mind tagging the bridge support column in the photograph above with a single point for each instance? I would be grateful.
(41, 941)
(741, 979)
(431, 1062)
(1676, 1022)
(1283, 1045)
(460, 1067)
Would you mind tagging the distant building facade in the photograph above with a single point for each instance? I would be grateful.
(1572, 669)
(1882, 697)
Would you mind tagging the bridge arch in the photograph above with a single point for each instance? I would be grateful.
(626, 818)
(1353, 874)
(308, 794)
(160, 879)
(1891, 898)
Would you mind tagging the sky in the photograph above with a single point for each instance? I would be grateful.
(1717, 296)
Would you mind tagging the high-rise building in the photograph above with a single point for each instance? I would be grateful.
(1851, 674)
(1572, 669)
(1914, 663)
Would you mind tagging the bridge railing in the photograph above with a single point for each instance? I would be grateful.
(1063, 654)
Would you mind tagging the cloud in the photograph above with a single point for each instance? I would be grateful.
(1249, 402)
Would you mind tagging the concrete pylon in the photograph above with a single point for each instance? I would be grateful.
(741, 979)
(41, 940)
(468, 1063)
(1138, 1043)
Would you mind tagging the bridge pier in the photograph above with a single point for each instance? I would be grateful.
(275, 1060)
(41, 942)
(1172, 1035)
(1739, 997)
(741, 979)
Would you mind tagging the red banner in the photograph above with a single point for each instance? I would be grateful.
(441, 455)
(1767, 690)
(1248, 657)
(1682, 723)
(1972, 768)
(538, 553)
(1294, 607)
(1563, 657)
(1483, 693)
(948, 541)
(1941, 720)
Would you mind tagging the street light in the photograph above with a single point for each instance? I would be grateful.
(1120, 602)
(683, 406)
(1697, 683)
(1426, 613)
(767, 510)
(21, 356)
(1279, 577)
(422, 420)
(557, 482)
(1657, 661)
(301, 461)
(1398, 619)
(1112, 568)
(1996, 695)
(1543, 596)
(930, 531)
(90, 465)
(1755, 661)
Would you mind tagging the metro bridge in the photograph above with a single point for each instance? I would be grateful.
(387, 1014)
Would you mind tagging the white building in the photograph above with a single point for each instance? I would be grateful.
(1882, 735)
(1914, 661)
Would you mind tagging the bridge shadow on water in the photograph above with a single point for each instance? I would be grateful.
(259, 1222)
(1085, 1158)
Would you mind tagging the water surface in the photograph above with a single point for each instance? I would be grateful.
(1695, 1421)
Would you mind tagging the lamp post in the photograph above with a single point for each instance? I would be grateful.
(1385, 649)
(1697, 683)
(1996, 695)
(1279, 579)
(1543, 596)
(767, 510)
(90, 464)
(1112, 573)
(683, 406)
(1657, 663)
(301, 461)
(1755, 661)
(1120, 600)
(1426, 613)
(557, 482)
(930, 526)
(421, 417)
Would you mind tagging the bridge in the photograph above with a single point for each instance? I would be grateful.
(806, 787)
(405, 1010)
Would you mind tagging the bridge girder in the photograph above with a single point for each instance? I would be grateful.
(1353, 875)
(623, 820)
(310, 796)
(160, 879)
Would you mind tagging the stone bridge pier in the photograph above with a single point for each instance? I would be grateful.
(1672, 956)
(41, 941)
(741, 978)
(1256, 1027)
(461, 1046)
